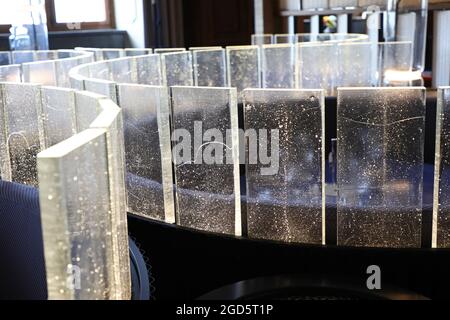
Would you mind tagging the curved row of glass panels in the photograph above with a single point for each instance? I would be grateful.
(91, 166)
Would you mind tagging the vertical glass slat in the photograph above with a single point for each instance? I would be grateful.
(285, 196)
(21, 106)
(210, 68)
(278, 66)
(148, 151)
(381, 136)
(441, 207)
(206, 153)
(177, 69)
(243, 66)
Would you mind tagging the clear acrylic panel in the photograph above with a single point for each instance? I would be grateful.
(285, 198)
(206, 155)
(262, 39)
(43, 73)
(356, 65)
(121, 71)
(21, 105)
(243, 65)
(317, 66)
(76, 219)
(210, 68)
(111, 119)
(148, 151)
(177, 69)
(278, 66)
(20, 57)
(137, 52)
(149, 70)
(58, 121)
(395, 59)
(87, 109)
(441, 207)
(102, 87)
(63, 68)
(11, 73)
(5, 58)
(381, 134)
(100, 70)
(110, 54)
(168, 50)
(285, 38)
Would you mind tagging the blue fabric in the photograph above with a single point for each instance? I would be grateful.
(22, 264)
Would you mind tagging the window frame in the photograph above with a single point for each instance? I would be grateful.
(52, 25)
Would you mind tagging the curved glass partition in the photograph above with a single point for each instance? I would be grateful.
(42, 67)
(70, 145)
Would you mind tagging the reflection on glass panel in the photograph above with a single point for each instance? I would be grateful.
(285, 198)
(58, 116)
(177, 69)
(278, 66)
(21, 104)
(137, 52)
(243, 67)
(441, 208)
(206, 155)
(148, 151)
(380, 166)
(210, 68)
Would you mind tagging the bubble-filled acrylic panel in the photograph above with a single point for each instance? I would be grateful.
(210, 68)
(149, 70)
(43, 73)
(317, 66)
(441, 207)
(177, 69)
(76, 219)
(148, 151)
(111, 120)
(21, 105)
(278, 66)
(381, 133)
(100, 70)
(58, 121)
(243, 67)
(206, 155)
(285, 183)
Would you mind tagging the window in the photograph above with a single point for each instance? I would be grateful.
(62, 14)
